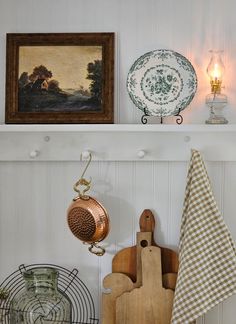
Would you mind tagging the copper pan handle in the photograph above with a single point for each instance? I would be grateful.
(82, 182)
(99, 251)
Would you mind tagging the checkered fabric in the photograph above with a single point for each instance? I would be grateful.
(207, 270)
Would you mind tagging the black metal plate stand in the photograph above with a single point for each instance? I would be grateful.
(179, 119)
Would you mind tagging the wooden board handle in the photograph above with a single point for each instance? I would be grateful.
(147, 221)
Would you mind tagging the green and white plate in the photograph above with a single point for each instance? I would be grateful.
(162, 83)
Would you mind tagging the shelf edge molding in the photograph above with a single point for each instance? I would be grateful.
(117, 142)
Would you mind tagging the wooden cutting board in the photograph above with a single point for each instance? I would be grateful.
(117, 284)
(151, 303)
(126, 260)
(126, 265)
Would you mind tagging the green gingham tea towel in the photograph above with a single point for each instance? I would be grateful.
(207, 270)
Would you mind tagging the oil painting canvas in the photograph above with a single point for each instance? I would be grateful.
(48, 81)
(60, 78)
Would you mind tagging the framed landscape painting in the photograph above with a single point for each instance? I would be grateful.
(60, 78)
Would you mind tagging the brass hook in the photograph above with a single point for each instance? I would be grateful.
(82, 181)
(87, 165)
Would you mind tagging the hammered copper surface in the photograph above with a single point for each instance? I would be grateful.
(81, 223)
(88, 220)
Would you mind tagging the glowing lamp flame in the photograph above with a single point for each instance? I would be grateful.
(215, 70)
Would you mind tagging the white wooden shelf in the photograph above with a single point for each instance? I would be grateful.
(117, 128)
(117, 142)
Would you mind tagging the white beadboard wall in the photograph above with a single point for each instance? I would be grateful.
(34, 195)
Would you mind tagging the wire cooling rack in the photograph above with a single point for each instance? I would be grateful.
(83, 311)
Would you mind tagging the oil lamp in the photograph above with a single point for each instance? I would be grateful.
(216, 100)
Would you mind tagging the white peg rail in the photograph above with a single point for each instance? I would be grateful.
(116, 142)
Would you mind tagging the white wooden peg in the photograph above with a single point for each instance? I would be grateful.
(187, 139)
(141, 154)
(85, 155)
(33, 154)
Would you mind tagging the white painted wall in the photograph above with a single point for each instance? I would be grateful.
(190, 27)
(34, 196)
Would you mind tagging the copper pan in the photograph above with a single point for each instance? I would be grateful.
(87, 218)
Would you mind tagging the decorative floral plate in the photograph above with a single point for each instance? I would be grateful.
(162, 83)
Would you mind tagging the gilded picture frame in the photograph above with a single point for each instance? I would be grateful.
(60, 78)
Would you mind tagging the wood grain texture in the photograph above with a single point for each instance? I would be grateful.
(127, 260)
(151, 303)
(117, 283)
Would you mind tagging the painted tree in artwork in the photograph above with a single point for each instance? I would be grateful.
(41, 75)
(41, 72)
(23, 79)
(95, 75)
(53, 86)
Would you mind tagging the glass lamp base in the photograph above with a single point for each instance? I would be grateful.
(214, 119)
(216, 102)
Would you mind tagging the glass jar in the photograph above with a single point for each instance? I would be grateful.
(41, 301)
